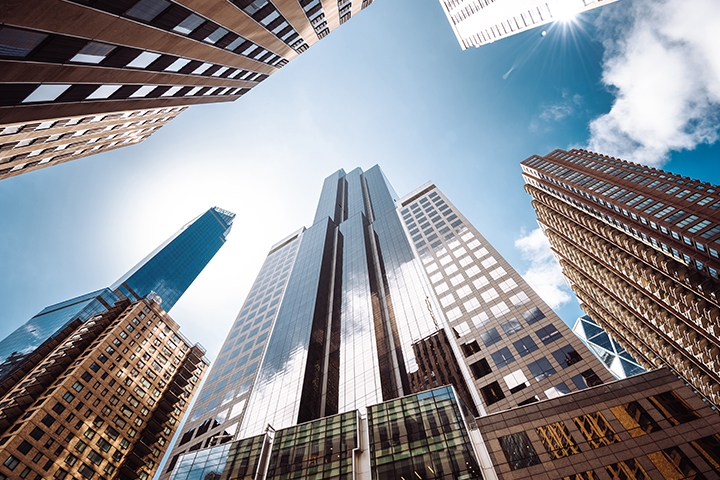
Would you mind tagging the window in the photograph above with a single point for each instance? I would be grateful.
(709, 449)
(636, 420)
(502, 357)
(68, 397)
(629, 470)
(470, 348)
(566, 356)
(11, 462)
(490, 337)
(524, 346)
(24, 447)
(516, 381)
(93, 52)
(492, 393)
(557, 391)
(533, 315)
(480, 368)
(18, 43)
(548, 334)
(490, 295)
(190, 23)
(672, 463)
(673, 407)
(46, 93)
(596, 430)
(541, 369)
(511, 326)
(586, 379)
(519, 451)
(37, 433)
(143, 60)
(95, 457)
(557, 440)
(147, 10)
(86, 471)
(519, 299)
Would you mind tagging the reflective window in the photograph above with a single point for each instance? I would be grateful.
(548, 334)
(46, 93)
(480, 368)
(525, 345)
(628, 470)
(15, 42)
(93, 52)
(519, 451)
(636, 420)
(144, 59)
(502, 357)
(673, 408)
(189, 24)
(672, 464)
(596, 430)
(566, 356)
(541, 369)
(533, 315)
(490, 337)
(492, 393)
(557, 440)
(511, 326)
(147, 10)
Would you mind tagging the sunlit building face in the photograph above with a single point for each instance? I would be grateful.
(382, 297)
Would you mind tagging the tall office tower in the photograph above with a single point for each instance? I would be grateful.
(104, 402)
(479, 22)
(639, 246)
(381, 298)
(165, 274)
(87, 58)
(620, 363)
(28, 146)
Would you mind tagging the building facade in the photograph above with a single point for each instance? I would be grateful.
(382, 297)
(620, 363)
(104, 402)
(91, 58)
(648, 426)
(29, 146)
(479, 22)
(165, 274)
(639, 246)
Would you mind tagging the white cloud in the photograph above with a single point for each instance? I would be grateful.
(544, 274)
(564, 108)
(662, 63)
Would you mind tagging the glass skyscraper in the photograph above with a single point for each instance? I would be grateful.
(620, 363)
(166, 273)
(382, 298)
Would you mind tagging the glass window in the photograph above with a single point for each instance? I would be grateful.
(548, 334)
(636, 420)
(672, 463)
(142, 91)
(628, 470)
(511, 326)
(46, 93)
(673, 407)
(516, 381)
(566, 356)
(143, 60)
(147, 10)
(709, 449)
(492, 393)
(533, 315)
(18, 43)
(177, 65)
(519, 451)
(541, 369)
(557, 440)
(490, 337)
(557, 391)
(525, 345)
(93, 52)
(216, 35)
(480, 368)
(189, 24)
(502, 357)
(596, 430)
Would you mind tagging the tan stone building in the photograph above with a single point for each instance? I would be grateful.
(102, 401)
(639, 246)
(87, 58)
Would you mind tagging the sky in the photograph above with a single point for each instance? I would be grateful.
(638, 79)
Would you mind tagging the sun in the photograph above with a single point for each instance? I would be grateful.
(565, 10)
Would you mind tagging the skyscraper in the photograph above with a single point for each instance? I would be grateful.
(381, 298)
(165, 274)
(639, 246)
(479, 22)
(620, 363)
(91, 58)
(104, 401)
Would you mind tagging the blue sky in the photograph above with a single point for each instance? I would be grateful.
(393, 87)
